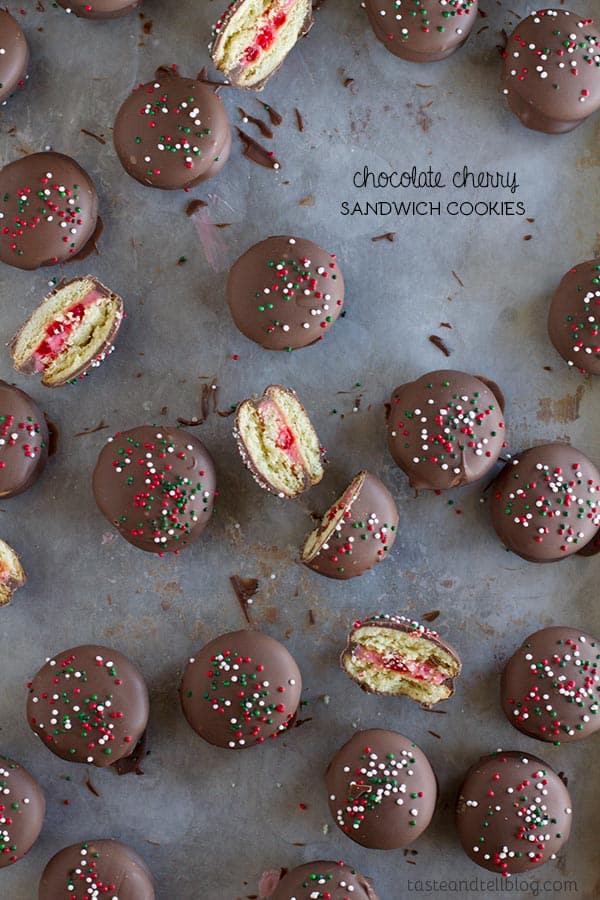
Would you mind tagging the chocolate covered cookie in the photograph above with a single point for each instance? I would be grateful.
(513, 813)
(552, 70)
(96, 869)
(551, 685)
(324, 880)
(88, 705)
(545, 503)
(14, 56)
(156, 485)
(22, 811)
(382, 789)
(397, 655)
(241, 689)
(284, 293)
(23, 441)
(48, 210)
(99, 9)
(173, 132)
(422, 30)
(574, 317)
(446, 429)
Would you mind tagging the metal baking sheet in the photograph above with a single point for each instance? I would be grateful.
(209, 821)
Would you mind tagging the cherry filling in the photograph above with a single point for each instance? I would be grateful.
(59, 331)
(286, 439)
(267, 33)
(393, 662)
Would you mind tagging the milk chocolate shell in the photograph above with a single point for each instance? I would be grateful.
(574, 317)
(99, 9)
(513, 813)
(552, 70)
(21, 812)
(251, 40)
(95, 869)
(446, 429)
(545, 503)
(23, 441)
(12, 575)
(14, 56)
(241, 689)
(422, 30)
(88, 705)
(382, 789)
(551, 685)
(172, 132)
(70, 332)
(48, 210)
(355, 533)
(156, 485)
(397, 655)
(285, 293)
(324, 880)
(278, 443)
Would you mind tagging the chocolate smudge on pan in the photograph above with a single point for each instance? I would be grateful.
(435, 734)
(194, 205)
(437, 341)
(311, 200)
(431, 616)
(53, 434)
(262, 126)
(131, 764)
(245, 589)
(256, 153)
(299, 119)
(91, 787)
(97, 137)
(275, 118)
(454, 275)
(99, 427)
(388, 236)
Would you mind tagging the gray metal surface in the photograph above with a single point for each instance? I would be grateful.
(209, 821)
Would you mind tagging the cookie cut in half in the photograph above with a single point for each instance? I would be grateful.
(12, 575)
(253, 37)
(278, 443)
(71, 331)
(396, 655)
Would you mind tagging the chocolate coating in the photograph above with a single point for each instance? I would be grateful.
(172, 132)
(324, 879)
(48, 210)
(96, 869)
(14, 56)
(241, 689)
(88, 705)
(23, 441)
(574, 317)
(552, 70)
(545, 503)
(513, 813)
(100, 9)
(22, 811)
(446, 429)
(284, 293)
(551, 685)
(382, 789)
(156, 485)
(422, 30)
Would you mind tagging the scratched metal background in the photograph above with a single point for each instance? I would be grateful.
(209, 821)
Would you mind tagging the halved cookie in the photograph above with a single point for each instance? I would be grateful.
(12, 575)
(71, 331)
(278, 442)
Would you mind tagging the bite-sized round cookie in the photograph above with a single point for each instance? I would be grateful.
(446, 429)
(21, 812)
(355, 533)
(545, 503)
(99, 9)
(382, 789)
(89, 705)
(396, 655)
(550, 686)
(48, 210)
(285, 293)
(422, 30)
(513, 812)
(12, 576)
(173, 132)
(23, 441)
(552, 70)
(324, 880)
(251, 40)
(14, 56)
(156, 485)
(91, 869)
(241, 689)
(574, 317)
(70, 332)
